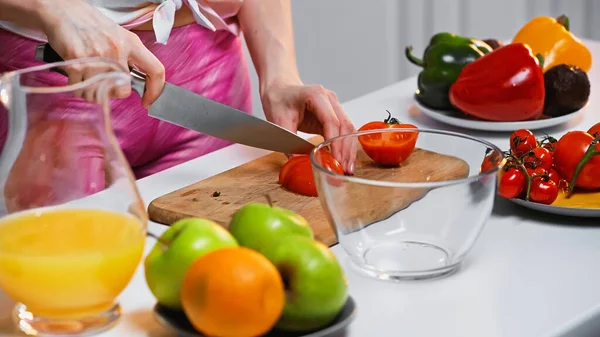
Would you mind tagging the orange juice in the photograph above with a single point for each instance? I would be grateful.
(68, 262)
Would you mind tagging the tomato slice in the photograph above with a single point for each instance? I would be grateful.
(296, 175)
(388, 148)
(300, 179)
(288, 165)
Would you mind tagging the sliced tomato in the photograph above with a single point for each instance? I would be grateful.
(388, 148)
(296, 175)
(288, 165)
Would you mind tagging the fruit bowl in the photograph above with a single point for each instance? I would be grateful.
(177, 322)
(416, 203)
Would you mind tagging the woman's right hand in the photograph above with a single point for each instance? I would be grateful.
(75, 29)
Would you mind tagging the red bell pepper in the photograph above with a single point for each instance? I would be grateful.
(506, 84)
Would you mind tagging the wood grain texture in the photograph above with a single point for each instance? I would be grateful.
(363, 204)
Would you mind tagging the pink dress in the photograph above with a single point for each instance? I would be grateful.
(206, 61)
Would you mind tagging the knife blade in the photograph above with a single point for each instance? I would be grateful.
(179, 106)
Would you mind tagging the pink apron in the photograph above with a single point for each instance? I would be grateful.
(211, 63)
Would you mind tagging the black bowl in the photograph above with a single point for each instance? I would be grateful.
(177, 321)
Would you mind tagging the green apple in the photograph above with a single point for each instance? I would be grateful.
(258, 225)
(315, 283)
(176, 249)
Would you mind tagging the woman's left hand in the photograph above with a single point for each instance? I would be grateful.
(311, 109)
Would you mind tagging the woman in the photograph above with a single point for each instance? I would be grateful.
(191, 43)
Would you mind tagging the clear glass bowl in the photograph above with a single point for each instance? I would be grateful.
(419, 218)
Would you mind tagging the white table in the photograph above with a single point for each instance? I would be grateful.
(528, 275)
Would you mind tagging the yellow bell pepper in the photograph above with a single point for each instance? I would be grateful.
(552, 39)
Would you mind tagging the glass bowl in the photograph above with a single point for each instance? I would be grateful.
(416, 203)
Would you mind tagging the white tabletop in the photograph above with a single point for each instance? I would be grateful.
(529, 274)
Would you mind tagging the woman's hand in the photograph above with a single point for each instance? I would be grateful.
(311, 109)
(75, 29)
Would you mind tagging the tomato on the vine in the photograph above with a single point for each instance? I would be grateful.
(549, 143)
(388, 148)
(554, 176)
(540, 157)
(296, 174)
(538, 171)
(512, 183)
(595, 130)
(543, 191)
(522, 141)
(570, 151)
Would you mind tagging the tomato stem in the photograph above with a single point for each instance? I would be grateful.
(518, 163)
(390, 120)
(591, 152)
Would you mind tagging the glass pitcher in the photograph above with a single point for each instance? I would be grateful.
(72, 223)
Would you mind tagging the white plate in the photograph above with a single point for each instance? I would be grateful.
(457, 119)
(566, 211)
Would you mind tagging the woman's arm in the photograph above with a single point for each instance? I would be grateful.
(22, 13)
(76, 30)
(267, 27)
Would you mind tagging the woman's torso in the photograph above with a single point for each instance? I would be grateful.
(210, 63)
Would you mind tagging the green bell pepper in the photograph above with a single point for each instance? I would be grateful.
(443, 60)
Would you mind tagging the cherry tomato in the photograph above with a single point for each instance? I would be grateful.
(541, 157)
(388, 148)
(569, 151)
(550, 144)
(522, 141)
(538, 171)
(296, 174)
(595, 130)
(554, 176)
(543, 191)
(512, 183)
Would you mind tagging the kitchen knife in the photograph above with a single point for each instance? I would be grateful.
(182, 107)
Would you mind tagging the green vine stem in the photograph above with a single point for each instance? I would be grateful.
(591, 152)
(520, 164)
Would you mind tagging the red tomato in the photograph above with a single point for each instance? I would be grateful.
(388, 148)
(554, 176)
(538, 171)
(296, 174)
(522, 141)
(569, 151)
(541, 157)
(549, 143)
(491, 160)
(512, 182)
(543, 191)
(595, 130)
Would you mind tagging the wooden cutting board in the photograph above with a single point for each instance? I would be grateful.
(252, 181)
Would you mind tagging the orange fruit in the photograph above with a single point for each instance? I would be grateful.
(233, 292)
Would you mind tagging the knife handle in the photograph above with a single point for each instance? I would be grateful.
(44, 52)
